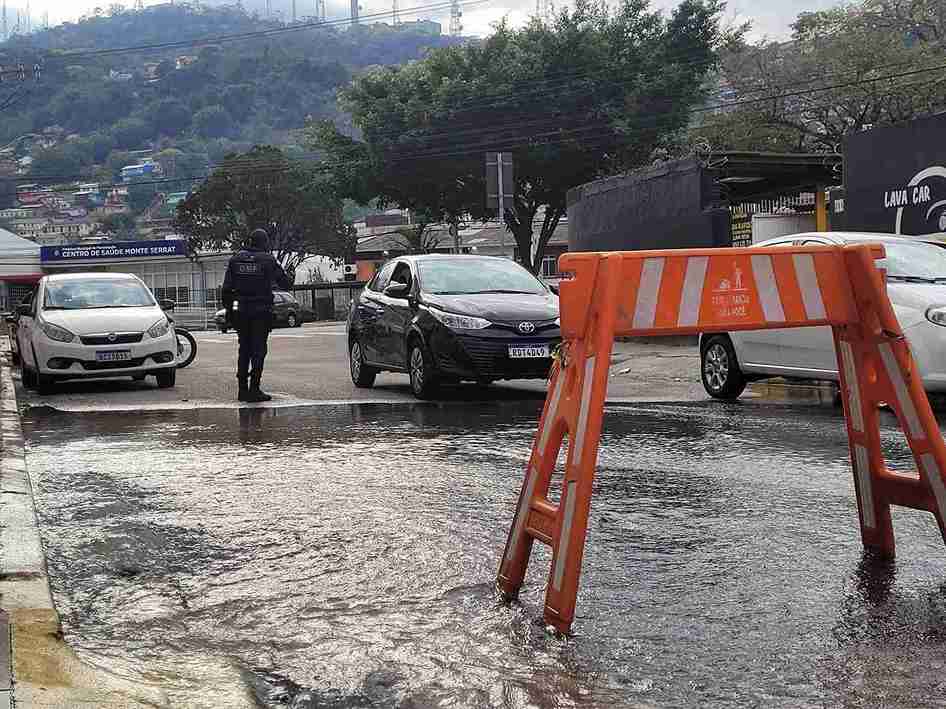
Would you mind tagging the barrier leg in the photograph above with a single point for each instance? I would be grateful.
(859, 383)
(535, 487)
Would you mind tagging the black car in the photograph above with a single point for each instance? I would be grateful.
(443, 318)
(286, 311)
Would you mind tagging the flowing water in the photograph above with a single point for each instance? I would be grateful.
(345, 557)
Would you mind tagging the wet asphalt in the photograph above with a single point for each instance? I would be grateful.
(344, 556)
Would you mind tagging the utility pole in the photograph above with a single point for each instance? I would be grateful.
(395, 18)
(320, 11)
(269, 9)
(46, 20)
(354, 12)
(456, 19)
(6, 29)
(293, 11)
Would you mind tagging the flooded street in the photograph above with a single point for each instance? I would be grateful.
(344, 556)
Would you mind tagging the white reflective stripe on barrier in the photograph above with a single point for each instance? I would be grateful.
(808, 283)
(900, 389)
(853, 387)
(565, 535)
(523, 512)
(549, 420)
(646, 310)
(862, 469)
(693, 291)
(586, 386)
(768, 288)
(935, 478)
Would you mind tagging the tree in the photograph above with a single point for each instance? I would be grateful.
(121, 226)
(141, 195)
(213, 122)
(588, 94)
(171, 117)
(131, 133)
(845, 69)
(264, 189)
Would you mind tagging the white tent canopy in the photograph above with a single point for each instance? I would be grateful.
(19, 257)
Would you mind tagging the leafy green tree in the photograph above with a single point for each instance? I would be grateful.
(589, 94)
(121, 226)
(141, 194)
(262, 188)
(131, 133)
(213, 122)
(64, 163)
(845, 69)
(171, 117)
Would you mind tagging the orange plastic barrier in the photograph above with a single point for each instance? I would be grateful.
(720, 290)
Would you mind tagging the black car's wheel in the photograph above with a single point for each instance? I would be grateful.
(292, 320)
(186, 347)
(722, 377)
(167, 378)
(138, 377)
(361, 374)
(424, 379)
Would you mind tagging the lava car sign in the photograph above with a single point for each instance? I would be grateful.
(895, 180)
(96, 252)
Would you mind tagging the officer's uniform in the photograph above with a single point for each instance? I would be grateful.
(247, 291)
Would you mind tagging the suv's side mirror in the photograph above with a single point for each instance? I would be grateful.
(397, 290)
(24, 309)
(167, 304)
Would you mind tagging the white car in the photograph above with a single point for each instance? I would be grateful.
(916, 285)
(94, 325)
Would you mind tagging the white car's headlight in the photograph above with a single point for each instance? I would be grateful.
(460, 322)
(160, 328)
(937, 315)
(59, 334)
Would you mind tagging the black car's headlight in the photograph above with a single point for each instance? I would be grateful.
(460, 322)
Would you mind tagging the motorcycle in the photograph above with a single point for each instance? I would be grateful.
(186, 343)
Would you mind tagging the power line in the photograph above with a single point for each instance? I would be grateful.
(258, 34)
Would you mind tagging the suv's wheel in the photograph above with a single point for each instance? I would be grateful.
(722, 377)
(361, 374)
(292, 320)
(424, 378)
(28, 376)
(166, 378)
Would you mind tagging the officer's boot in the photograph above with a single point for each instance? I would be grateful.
(256, 395)
(244, 384)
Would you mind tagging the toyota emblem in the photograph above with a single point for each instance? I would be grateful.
(526, 328)
(112, 337)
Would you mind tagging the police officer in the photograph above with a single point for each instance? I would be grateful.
(247, 293)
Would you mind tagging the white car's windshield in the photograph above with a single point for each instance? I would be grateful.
(474, 276)
(96, 293)
(919, 262)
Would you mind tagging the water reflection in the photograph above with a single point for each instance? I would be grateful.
(344, 557)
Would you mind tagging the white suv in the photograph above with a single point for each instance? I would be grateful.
(94, 325)
(916, 285)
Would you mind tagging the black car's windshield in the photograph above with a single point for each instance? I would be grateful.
(914, 262)
(96, 293)
(476, 275)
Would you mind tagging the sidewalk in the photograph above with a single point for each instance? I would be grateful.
(37, 668)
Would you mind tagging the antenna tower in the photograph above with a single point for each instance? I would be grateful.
(354, 12)
(456, 19)
(320, 11)
(29, 20)
(139, 5)
(293, 11)
(6, 29)
(46, 20)
(395, 15)
(269, 9)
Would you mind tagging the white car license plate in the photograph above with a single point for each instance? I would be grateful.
(529, 352)
(113, 356)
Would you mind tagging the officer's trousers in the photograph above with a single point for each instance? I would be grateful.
(253, 332)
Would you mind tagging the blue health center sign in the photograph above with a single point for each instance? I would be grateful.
(127, 249)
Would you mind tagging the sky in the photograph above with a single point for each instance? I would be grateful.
(771, 18)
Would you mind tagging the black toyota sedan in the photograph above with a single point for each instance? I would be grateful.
(445, 318)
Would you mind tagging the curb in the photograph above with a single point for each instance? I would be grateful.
(37, 667)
